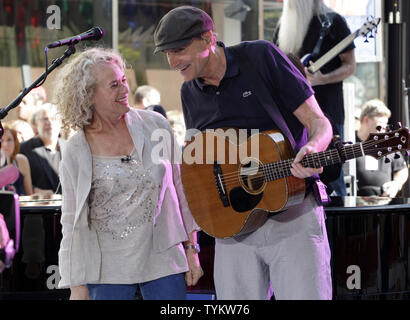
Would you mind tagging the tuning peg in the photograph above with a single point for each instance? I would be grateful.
(387, 160)
(396, 156)
(366, 40)
(399, 125)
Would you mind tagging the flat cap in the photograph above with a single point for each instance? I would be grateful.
(179, 26)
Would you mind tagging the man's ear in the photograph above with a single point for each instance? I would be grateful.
(207, 36)
(208, 41)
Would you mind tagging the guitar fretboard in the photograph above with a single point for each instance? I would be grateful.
(281, 169)
(333, 52)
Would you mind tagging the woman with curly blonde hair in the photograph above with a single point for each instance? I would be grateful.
(125, 219)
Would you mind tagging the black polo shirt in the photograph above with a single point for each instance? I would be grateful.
(234, 104)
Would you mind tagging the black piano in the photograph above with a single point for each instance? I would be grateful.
(34, 273)
(370, 242)
(368, 236)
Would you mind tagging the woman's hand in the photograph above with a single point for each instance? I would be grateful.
(80, 293)
(195, 271)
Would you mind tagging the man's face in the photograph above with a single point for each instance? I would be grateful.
(26, 107)
(191, 60)
(48, 126)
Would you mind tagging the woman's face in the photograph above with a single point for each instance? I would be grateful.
(7, 143)
(111, 93)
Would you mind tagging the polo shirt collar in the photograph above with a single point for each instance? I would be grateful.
(232, 67)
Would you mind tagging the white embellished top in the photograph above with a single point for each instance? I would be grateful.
(122, 202)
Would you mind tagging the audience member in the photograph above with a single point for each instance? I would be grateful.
(43, 151)
(146, 96)
(376, 177)
(30, 104)
(11, 146)
(176, 120)
(24, 130)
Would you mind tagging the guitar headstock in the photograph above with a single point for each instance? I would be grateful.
(368, 26)
(378, 145)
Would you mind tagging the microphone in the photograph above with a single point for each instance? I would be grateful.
(126, 159)
(95, 33)
(8, 175)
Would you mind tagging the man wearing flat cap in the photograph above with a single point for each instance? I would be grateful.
(225, 87)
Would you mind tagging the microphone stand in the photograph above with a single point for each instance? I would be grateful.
(57, 62)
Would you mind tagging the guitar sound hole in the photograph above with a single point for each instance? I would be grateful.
(242, 201)
(252, 178)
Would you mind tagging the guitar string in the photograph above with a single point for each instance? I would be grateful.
(285, 163)
(321, 155)
(278, 163)
(281, 169)
(264, 176)
(278, 172)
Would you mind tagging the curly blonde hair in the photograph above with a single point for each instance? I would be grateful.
(76, 83)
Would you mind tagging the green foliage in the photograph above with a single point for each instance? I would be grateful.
(133, 60)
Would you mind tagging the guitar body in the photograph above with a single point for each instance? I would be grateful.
(223, 201)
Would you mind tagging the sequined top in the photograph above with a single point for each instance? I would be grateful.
(122, 203)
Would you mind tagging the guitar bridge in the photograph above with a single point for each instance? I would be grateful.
(220, 184)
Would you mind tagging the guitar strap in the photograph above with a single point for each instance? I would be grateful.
(263, 94)
(318, 188)
(326, 24)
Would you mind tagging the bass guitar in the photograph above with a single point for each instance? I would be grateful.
(235, 197)
(364, 31)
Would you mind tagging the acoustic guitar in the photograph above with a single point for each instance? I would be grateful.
(231, 192)
(364, 30)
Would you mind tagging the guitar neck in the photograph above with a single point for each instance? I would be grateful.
(333, 52)
(281, 169)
